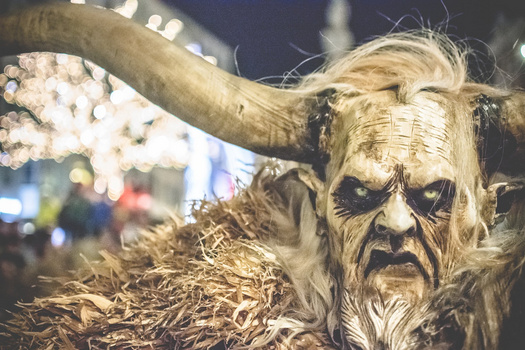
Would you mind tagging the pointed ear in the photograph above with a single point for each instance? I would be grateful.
(310, 179)
(315, 186)
(500, 198)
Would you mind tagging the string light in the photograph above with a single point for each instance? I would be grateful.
(74, 106)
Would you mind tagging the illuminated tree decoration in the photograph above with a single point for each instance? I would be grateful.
(68, 105)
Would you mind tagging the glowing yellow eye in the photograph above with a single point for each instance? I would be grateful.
(430, 194)
(361, 192)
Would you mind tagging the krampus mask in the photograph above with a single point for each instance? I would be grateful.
(403, 146)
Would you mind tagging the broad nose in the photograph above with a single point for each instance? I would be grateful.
(396, 218)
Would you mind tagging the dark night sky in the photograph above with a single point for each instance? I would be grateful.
(274, 36)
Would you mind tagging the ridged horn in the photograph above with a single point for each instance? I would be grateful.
(260, 118)
(500, 127)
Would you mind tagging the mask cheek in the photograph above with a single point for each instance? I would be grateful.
(354, 235)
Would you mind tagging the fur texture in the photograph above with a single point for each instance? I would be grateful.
(215, 283)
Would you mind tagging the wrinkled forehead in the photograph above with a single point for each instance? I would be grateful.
(380, 133)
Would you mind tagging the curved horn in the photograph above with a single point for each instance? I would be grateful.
(263, 119)
(500, 128)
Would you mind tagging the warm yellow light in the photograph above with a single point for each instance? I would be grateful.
(63, 88)
(62, 58)
(51, 84)
(100, 185)
(116, 97)
(81, 101)
(128, 9)
(3, 79)
(87, 137)
(80, 175)
(172, 28)
(77, 114)
(99, 111)
(155, 20)
(99, 73)
(211, 59)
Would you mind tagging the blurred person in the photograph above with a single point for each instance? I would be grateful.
(75, 214)
(12, 264)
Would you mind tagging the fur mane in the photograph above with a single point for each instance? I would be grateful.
(408, 62)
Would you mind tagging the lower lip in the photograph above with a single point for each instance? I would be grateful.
(401, 265)
(407, 270)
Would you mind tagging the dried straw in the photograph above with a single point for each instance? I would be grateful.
(212, 284)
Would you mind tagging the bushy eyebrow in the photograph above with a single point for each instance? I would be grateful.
(346, 204)
(447, 190)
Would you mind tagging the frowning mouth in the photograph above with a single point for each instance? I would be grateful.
(380, 259)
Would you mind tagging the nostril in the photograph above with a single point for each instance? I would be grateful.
(396, 243)
(411, 231)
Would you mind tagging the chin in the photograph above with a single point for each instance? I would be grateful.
(382, 308)
(403, 281)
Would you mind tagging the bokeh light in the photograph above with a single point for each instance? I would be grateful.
(68, 105)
